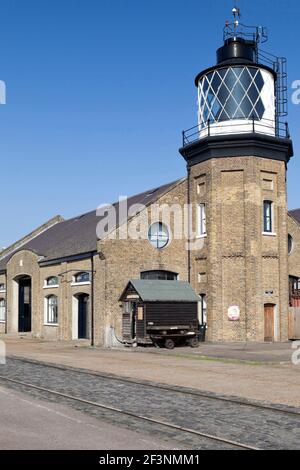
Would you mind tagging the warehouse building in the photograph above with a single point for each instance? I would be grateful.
(240, 254)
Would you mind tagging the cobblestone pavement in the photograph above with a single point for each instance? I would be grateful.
(185, 367)
(260, 428)
(28, 423)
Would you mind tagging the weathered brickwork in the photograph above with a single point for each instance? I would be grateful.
(122, 260)
(234, 264)
(25, 263)
(245, 268)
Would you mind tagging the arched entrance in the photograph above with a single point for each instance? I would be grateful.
(81, 316)
(24, 304)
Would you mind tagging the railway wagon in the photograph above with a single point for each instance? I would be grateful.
(164, 313)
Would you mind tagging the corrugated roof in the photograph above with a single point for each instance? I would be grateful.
(164, 291)
(295, 214)
(78, 235)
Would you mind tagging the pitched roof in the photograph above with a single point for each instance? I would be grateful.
(164, 291)
(78, 235)
(295, 214)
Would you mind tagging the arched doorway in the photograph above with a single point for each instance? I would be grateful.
(24, 304)
(81, 316)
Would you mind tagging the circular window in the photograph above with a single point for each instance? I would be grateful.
(290, 243)
(159, 235)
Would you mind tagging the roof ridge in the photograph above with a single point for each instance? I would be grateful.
(30, 236)
(152, 190)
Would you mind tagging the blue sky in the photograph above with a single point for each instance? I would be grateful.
(98, 92)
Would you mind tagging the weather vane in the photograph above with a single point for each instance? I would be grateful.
(236, 11)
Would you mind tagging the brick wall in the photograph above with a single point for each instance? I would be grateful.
(244, 268)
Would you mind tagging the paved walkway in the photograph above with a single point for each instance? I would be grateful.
(267, 375)
(23, 427)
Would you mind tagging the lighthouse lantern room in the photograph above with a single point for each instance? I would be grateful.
(246, 91)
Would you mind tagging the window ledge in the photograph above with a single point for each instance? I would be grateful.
(74, 284)
(3, 291)
(51, 287)
(270, 234)
(2, 322)
(201, 236)
(51, 324)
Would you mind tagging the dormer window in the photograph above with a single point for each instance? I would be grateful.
(82, 278)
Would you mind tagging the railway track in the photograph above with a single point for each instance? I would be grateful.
(198, 418)
(158, 386)
(234, 444)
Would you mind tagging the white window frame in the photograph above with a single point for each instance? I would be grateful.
(53, 286)
(201, 221)
(46, 311)
(203, 309)
(2, 290)
(161, 234)
(270, 233)
(84, 283)
(3, 311)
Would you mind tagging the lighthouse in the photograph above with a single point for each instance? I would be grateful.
(237, 156)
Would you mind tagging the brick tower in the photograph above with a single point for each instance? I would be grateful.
(237, 158)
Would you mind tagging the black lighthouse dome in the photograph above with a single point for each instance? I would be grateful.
(237, 49)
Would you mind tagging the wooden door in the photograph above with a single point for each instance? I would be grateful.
(269, 323)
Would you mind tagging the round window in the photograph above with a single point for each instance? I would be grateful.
(159, 235)
(290, 243)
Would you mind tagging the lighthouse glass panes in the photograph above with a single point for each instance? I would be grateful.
(237, 94)
(158, 235)
(232, 93)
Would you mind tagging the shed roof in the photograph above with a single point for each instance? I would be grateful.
(164, 291)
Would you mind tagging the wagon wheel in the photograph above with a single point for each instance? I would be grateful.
(169, 343)
(194, 342)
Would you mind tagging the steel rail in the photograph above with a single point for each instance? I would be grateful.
(132, 415)
(175, 389)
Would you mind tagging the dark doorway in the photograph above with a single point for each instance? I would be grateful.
(83, 316)
(24, 305)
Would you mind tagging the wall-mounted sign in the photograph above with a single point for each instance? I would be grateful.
(140, 313)
(234, 313)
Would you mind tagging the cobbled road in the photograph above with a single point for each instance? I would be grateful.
(265, 429)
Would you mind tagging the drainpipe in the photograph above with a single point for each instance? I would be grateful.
(189, 220)
(6, 316)
(92, 303)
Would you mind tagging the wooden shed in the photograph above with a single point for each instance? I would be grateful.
(160, 312)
